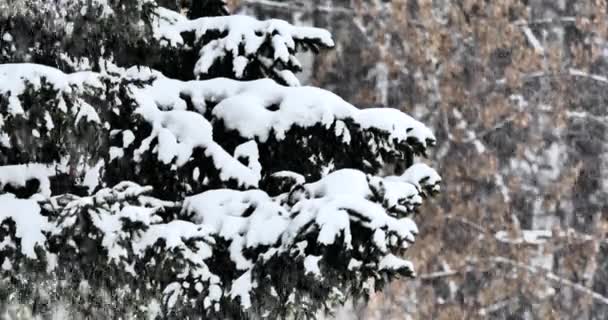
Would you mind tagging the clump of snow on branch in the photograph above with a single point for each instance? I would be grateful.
(14, 78)
(29, 223)
(18, 175)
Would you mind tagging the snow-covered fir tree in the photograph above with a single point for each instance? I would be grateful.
(162, 160)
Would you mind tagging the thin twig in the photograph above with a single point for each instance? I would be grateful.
(570, 73)
(467, 222)
(496, 306)
(545, 21)
(551, 276)
(298, 6)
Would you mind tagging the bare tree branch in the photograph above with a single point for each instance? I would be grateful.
(468, 223)
(496, 306)
(570, 73)
(551, 276)
(545, 21)
(297, 5)
(538, 48)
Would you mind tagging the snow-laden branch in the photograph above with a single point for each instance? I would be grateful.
(278, 108)
(30, 225)
(18, 176)
(242, 40)
(307, 229)
(272, 112)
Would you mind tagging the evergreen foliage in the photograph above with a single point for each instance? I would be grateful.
(166, 164)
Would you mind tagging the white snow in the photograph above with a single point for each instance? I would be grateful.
(180, 131)
(311, 265)
(240, 63)
(30, 224)
(421, 175)
(13, 75)
(400, 193)
(354, 264)
(342, 130)
(196, 172)
(174, 233)
(48, 121)
(301, 106)
(116, 152)
(305, 107)
(221, 210)
(127, 138)
(249, 151)
(392, 262)
(6, 265)
(241, 288)
(399, 125)
(173, 291)
(289, 78)
(87, 112)
(7, 37)
(5, 140)
(92, 176)
(379, 239)
(284, 174)
(18, 175)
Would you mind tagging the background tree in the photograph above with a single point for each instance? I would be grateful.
(515, 92)
(166, 163)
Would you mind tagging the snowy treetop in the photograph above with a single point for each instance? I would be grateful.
(247, 47)
(242, 39)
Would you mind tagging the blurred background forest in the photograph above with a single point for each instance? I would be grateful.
(516, 94)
